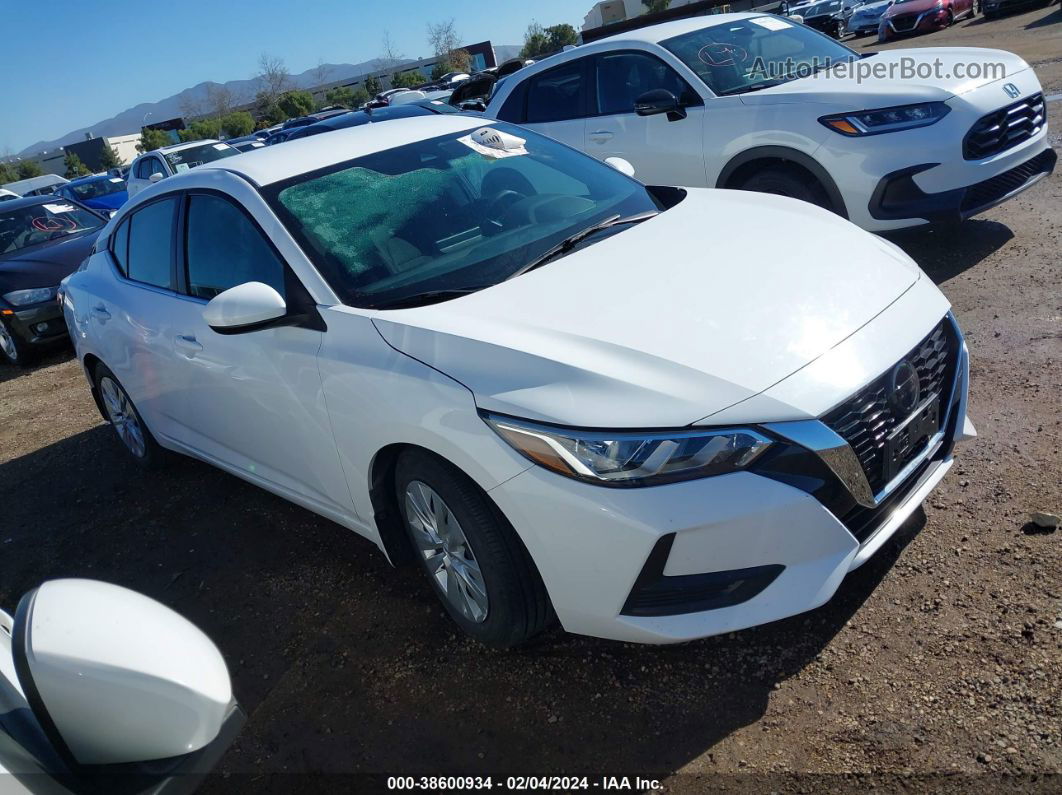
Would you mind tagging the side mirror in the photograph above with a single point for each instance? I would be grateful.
(155, 177)
(621, 165)
(245, 307)
(659, 100)
(114, 677)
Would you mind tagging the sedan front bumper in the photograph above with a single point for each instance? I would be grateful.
(40, 324)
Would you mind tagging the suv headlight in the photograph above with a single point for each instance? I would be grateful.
(35, 296)
(874, 122)
(626, 458)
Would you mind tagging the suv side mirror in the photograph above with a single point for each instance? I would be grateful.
(659, 100)
(245, 307)
(114, 677)
(155, 177)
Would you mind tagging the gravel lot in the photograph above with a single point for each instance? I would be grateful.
(936, 666)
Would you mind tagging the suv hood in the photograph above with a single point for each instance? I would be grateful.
(841, 85)
(665, 322)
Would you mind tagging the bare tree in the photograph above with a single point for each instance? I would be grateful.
(273, 77)
(191, 105)
(391, 57)
(320, 73)
(443, 37)
(219, 100)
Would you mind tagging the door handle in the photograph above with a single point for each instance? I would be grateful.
(187, 344)
(600, 136)
(101, 312)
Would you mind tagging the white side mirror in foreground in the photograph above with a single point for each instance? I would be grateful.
(113, 676)
(245, 307)
(621, 165)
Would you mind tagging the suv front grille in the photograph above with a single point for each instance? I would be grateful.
(1004, 128)
(995, 188)
(866, 419)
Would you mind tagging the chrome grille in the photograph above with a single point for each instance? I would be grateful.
(904, 23)
(1004, 128)
(866, 419)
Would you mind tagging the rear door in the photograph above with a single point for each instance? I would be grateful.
(663, 151)
(557, 102)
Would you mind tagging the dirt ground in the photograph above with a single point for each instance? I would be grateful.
(937, 666)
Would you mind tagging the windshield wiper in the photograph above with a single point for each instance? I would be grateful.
(425, 298)
(572, 241)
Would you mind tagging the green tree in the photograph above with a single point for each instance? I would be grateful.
(372, 86)
(110, 158)
(540, 41)
(347, 97)
(7, 173)
(295, 103)
(407, 79)
(29, 168)
(200, 129)
(152, 139)
(74, 167)
(237, 123)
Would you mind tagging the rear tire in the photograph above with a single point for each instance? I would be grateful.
(787, 182)
(129, 427)
(474, 561)
(12, 349)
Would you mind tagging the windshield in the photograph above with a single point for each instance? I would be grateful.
(442, 214)
(829, 7)
(755, 53)
(184, 159)
(39, 223)
(96, 188)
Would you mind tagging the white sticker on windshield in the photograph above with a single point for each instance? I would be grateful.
(116, 179)
(181, 167)
(222, 147)
(490, 142)
(59, 208)
(771, 23)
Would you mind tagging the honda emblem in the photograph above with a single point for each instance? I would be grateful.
(1011, 90)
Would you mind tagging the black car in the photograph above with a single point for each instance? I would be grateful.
(356, 118)
(43, 239)
(996, 8)
(829, 16)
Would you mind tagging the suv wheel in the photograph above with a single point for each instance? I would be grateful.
(125, 419)
(785, 182)
(477, 566)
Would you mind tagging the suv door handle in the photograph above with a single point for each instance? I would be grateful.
(600, 136)
(100, 311)
(187, 344)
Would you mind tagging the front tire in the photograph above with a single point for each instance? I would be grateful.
(12, 349)
(786, 182)
(128, 426)
(476, 564)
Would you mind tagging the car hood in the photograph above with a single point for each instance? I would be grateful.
(875, 8)
(913, 7)
(666, 322)
(44, 265)
(844, 85)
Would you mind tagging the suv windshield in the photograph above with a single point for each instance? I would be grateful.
(755, 53)
(184, 159)
(96, 188)
(448, 215)
(39, 223)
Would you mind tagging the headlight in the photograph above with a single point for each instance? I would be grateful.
(640, 458)
(34, 296)
(874, 122)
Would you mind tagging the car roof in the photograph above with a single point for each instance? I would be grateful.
(90, 178)
(182, 145)
(299, 156)
(35, 183)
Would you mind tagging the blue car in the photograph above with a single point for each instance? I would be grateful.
(100, 192)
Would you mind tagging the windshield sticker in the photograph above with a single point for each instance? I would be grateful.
(771, 23)
(116, 179)
(53, 224)
(722, 54)
(221, 147)
(494, 143)
(181, 167)
(59, 208)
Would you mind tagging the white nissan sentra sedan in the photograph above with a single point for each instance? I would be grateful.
(653, 413)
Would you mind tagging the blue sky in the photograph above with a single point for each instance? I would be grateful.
(54, 84)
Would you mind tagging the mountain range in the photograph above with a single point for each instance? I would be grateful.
(131, 120)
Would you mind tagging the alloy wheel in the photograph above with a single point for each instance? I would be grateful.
(123, 417)
(7, 343)
(446, 552)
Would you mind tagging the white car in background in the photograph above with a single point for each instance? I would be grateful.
(866, 19)
(659, 413)
(166, 161)
(717, 101)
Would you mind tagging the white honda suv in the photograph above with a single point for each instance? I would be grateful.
(562, 392)
(761, 103)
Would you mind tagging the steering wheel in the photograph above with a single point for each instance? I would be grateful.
(499, 204)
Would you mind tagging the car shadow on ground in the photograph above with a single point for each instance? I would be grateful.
(945, 252)
(52, 357)
(1051, 19)
(345, 664)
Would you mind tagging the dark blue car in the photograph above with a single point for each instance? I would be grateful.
(100, 192)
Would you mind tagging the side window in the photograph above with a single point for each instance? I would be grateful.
(622, 77)
(120, 247)
(140, 172)
(151, 244)
(224, 249)
(558, 94)
(155, 166)
(512, 110)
